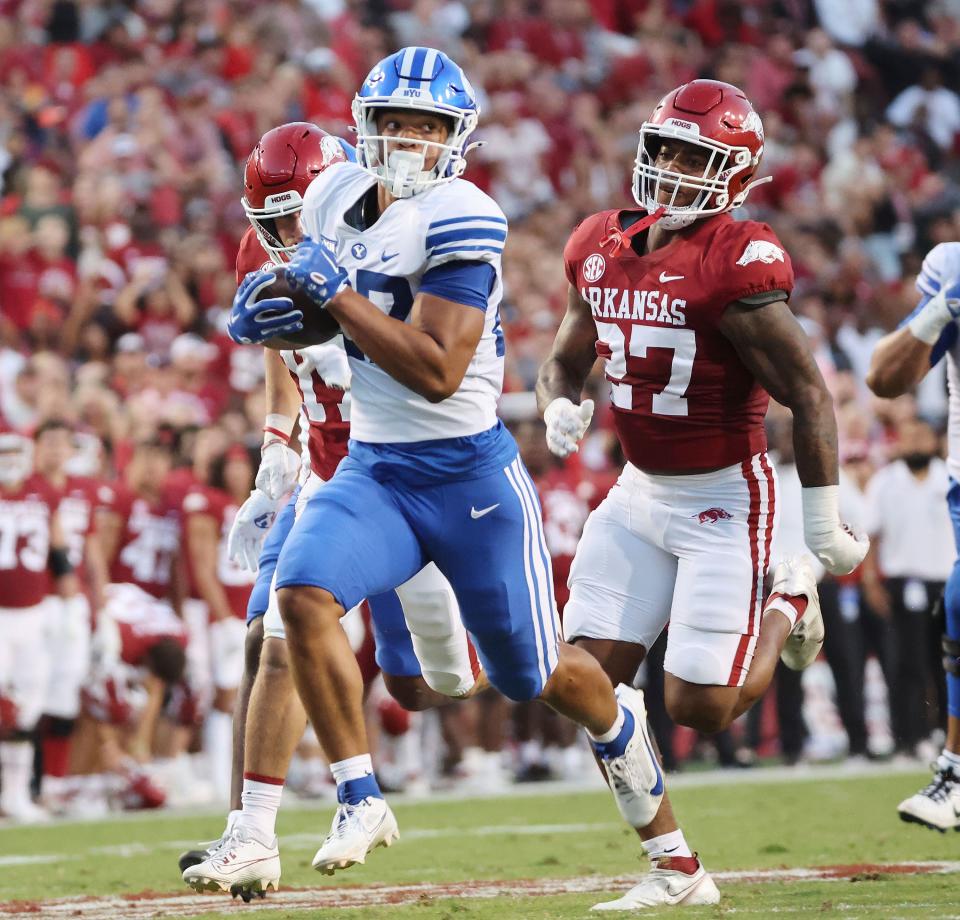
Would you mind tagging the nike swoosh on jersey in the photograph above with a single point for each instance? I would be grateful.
(479, 514)
(664, 277)
(386, 258)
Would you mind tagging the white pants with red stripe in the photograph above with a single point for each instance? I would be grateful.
(691, 551)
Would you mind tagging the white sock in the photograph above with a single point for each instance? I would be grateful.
(352, 768)
(16, 767)
(671, 844)
(261, 802)
(218, 741)
(232, 817)
(614, 731)
(949, 759)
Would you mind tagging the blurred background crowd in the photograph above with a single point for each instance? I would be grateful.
(124, 125)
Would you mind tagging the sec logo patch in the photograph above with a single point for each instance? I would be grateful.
(594, 267)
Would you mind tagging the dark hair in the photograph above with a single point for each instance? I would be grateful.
(166, 659)
(51, 424)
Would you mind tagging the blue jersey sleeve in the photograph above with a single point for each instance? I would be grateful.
(469, 283)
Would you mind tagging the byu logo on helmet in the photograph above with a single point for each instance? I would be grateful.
(415, 79)
(761, 251)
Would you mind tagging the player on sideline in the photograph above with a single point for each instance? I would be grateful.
(424, 665)
(688, 309)
(406, 256)
(900, 361)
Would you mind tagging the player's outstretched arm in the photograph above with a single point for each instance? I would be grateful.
(428, 355)
(772, 345)
(562, 376)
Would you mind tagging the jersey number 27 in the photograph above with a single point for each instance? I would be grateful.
(671, 400)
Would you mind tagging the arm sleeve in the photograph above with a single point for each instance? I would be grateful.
(469, 283)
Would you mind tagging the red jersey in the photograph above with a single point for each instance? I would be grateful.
(79, 501)
(25, 516)
(237, 582)
(683, 401)
(566, 500)
(327, 408)
(149, 539)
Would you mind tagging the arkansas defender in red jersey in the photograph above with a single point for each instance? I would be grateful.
(32, 559)
(224, 589)
(68, 617)
(688, 309)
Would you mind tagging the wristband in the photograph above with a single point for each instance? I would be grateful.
(821, 508)
(931, 319)
(277, 428)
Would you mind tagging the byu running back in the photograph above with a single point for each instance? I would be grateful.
(900, 361)
(406, 257)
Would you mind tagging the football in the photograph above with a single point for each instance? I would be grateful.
(318, 325)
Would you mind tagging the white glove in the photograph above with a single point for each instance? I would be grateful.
(833, 543)
(279, 469)
(250, 526)
(330, 362)
(566, 424)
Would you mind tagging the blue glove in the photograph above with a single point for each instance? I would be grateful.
(314, 270)
(252, 321)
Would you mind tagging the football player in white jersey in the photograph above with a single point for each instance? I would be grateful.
(425, 664)
(406, 256)
(900, 361)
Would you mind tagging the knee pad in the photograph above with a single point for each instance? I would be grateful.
(951, 656)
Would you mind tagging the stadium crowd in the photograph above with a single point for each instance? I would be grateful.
(123, 130)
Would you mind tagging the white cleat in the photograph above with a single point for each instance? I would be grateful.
(794, 577)
(937, 806)
(240, 864)
(635, 777)
(357, 830)
(671, 882)
(24, 811)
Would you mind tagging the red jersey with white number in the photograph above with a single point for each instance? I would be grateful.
(79, 501)
(149, 539)
(683, 401)
(327, 408)
(25, 516)
(237, 582)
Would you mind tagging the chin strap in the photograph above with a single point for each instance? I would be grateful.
(618, 238)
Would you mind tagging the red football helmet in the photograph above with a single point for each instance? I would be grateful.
(284, 162)
(712, 115)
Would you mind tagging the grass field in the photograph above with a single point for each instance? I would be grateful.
(531, 857)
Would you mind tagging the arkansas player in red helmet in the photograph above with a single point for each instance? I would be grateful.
(687, 307)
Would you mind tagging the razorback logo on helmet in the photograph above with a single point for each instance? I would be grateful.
(331, 150)
(712, 515)
(752, 123)
(761, 251)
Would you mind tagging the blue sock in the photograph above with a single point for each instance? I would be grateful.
(616, 747)
(951, 606)
(354, 791)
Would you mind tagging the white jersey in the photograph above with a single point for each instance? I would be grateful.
(943, 264)
(386, 264)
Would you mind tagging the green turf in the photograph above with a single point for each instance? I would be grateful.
(755, 826)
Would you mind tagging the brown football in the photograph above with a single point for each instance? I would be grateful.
(318, 325)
